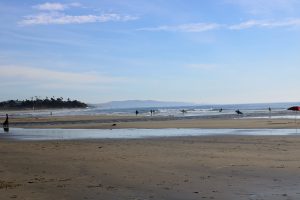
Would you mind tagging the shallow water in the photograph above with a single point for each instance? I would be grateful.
(78, 134)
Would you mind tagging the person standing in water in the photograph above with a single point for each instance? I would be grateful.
(136, 113)
(6, 124)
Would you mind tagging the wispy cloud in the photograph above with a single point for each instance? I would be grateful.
(192, 27)
(61, 18)
(46, 77)
(202, 27)
(265, 24)
(54, 13)
(55, 6)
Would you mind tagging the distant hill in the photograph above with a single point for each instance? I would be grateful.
(141, 104)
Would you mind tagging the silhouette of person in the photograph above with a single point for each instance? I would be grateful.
(6, 124)
(136, 113)
(221, 110)
(270, 113)
(183, 111)
(238, 112)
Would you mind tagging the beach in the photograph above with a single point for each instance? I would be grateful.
(212, 167)
(199, 167)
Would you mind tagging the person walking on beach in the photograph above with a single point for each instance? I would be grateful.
(6, 124)
(136, 113)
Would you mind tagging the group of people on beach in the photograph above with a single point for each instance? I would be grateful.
(151, 112)
(185, 111)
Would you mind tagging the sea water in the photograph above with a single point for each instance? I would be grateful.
(279, 110)
(79, 134)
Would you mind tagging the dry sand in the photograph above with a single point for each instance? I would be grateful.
(219, 167)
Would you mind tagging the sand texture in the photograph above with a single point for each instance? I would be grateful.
(219, 167)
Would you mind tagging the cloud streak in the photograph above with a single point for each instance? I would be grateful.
(266, 24)
(202, 27)
(54, 13)
(55, 6)
(61, 18)
(192, 27)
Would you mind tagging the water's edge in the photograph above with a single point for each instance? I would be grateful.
(81, 134)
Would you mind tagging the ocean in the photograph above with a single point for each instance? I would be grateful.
(258, 110)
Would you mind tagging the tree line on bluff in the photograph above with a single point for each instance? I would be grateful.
(38, 103)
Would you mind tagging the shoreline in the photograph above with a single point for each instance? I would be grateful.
(142, 122)
(136, 134)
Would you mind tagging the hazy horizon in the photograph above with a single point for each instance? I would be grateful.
(166, 101)
(205, 52)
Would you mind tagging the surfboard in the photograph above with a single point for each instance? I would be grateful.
(5, 128)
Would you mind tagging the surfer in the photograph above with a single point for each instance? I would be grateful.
(6, 124)
(238, 112)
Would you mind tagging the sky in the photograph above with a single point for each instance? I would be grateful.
(200, 51)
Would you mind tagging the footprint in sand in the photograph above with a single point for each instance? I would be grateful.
(94, 186)
(8, 185)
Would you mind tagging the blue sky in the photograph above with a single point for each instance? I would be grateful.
(219, 51)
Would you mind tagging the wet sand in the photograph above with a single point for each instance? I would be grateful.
(106, 122)
(206, 167)
(219, 167)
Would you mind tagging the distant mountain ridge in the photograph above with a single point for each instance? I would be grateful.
(141, 104)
